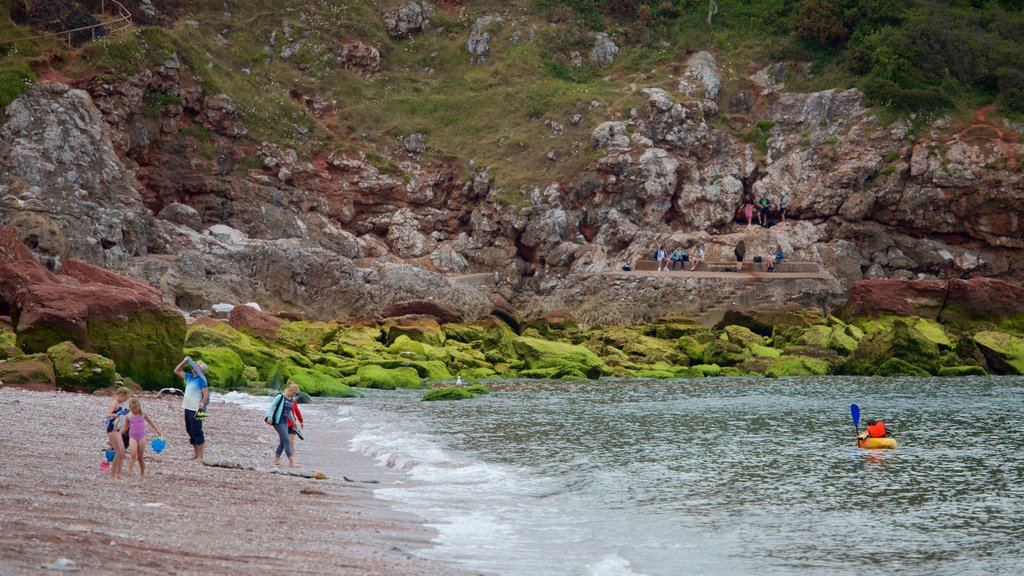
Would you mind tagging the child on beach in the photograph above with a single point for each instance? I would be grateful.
(113, 421)
(136, 432)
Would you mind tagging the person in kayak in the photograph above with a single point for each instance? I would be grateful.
(875, 429)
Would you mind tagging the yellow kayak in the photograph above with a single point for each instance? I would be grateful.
(876, 443)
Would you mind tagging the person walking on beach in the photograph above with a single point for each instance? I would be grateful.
(113, 421)
(740, 251)
(277, 416)
(197, 394)
(294, 424)
(136, 422)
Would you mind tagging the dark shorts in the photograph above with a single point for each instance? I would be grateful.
(194, 428)
(739, 257)
(764, 210)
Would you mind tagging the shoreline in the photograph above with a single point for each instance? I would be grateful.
(185, 517)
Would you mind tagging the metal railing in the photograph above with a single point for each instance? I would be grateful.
(122, 21)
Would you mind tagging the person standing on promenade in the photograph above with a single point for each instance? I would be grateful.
(113, 421)
(277, 416)
(197, 394)
(740, 251)
(137, 421)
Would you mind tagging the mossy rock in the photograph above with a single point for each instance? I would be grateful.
(466, 333)
(1003, 352)
(817, 336)
(28, 369)
(221, 335)
(478, 389)
(303, 398)
(330, 371)
(842, 342)
(448, 393)
(80, 371)
(688, 372)
(854, 332)
(676, 329)
(934, 331)
(408, 348)
(617, 336)
(351, 340)
(690, 346)
(252, 376)
(539, 353)
(900, 367)
(796, 366)
(498, 342)
(756, 364)
(422, 329)
(303, 336)
(836, 322)
(373, 376)
(733, 371)
(724, 353)
(645, 349)
(145, 347)
(789, 326)
(742, 336)
(317, 383)
(431, 369)
(9, 345)
(902, 341)
(962, 371)
(566, 372)
(708, 369)
(765, 351)
(610, 355)
(225, 368)
(477, 373)
(463, 357)
(659, 374)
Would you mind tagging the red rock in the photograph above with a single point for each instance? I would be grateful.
(250, 320)
(979, 297)
(97, 310)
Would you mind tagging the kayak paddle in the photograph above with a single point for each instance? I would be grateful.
(855, 413)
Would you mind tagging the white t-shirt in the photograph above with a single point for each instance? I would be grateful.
(193, 392)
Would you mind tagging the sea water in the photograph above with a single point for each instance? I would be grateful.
(709, 476)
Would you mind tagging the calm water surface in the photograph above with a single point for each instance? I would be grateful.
(711, 476)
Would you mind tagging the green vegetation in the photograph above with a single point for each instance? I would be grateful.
(14, 81)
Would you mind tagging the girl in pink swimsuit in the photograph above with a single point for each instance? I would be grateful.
(136, 422)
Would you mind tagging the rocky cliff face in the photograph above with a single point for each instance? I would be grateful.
(176, 199)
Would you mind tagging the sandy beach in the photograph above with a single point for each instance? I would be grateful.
(184, 517)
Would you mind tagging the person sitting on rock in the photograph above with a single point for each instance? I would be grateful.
(698, 257)
(679, 257)
(662, 257)
(776, 258)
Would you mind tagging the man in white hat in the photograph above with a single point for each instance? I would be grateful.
(197, 394)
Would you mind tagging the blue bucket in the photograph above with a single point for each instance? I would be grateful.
(109, 454)
(158, 445)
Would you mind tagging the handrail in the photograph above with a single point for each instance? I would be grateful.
(123, 16)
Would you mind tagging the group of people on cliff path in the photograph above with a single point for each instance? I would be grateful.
(126, 427)
(681, 256)
(762, 208)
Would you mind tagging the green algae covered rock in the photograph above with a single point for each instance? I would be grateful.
(934, 331)
(477, 373)
(544, 354)
(690, 346)
(842, 342)
(80, 371)
(902, 341)
(432, 369)
(899, 367)
(9, 345)
(673, 329)
(28, 369)
(765, 351)
(566, 372)
(688, 372)
(1003, 352)
(225, 368)
(962, 371)
(317, 383)
(796, 366)
(465, 333)
(708, 369)
(448, 393)
(646, 350)
(373, 376)
(420, 329)
(478, 389)
(742, 336)
(724, 353)
(817, 336)
(351, 341)
(144, 346)
(303, 336)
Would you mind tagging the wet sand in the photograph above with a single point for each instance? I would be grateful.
(184, 517)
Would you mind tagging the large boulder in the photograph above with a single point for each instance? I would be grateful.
(80, 371)
(28, 370)
(967, 299)
(902, 342)
(545, 354)
(1003, 352)
(100, 312)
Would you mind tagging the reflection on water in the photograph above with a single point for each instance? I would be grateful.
(737, 476)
